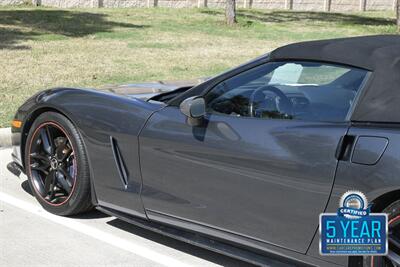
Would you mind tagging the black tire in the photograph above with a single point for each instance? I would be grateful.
(75, 200)
(393, 211)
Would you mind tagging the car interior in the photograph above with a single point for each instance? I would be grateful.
(304, 98)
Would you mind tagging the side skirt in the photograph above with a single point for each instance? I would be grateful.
(205, 242)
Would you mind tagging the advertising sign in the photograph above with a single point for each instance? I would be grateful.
(353, 230)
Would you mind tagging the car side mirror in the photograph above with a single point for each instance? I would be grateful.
(194, 108)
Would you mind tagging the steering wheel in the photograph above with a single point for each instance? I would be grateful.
(284, 104)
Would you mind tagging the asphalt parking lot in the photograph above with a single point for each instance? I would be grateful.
(29, 236)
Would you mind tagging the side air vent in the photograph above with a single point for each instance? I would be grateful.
(119, 161)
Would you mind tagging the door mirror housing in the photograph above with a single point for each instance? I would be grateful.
(193, 107)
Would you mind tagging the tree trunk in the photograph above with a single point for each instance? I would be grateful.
(398, 15)
(230, 12)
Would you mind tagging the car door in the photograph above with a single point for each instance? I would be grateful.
(262, 164)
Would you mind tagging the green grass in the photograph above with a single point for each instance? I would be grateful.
(42, 47)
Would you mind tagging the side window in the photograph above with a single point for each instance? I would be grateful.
(289, 90)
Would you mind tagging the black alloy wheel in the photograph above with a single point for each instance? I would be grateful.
(393, 257)
(57, 166)
(52, 164)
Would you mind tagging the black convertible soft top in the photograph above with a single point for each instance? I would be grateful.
(380, 99)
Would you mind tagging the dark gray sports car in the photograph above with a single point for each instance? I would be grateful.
(242, 163)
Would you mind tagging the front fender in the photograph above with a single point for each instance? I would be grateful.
(87, 109)
(105, 121)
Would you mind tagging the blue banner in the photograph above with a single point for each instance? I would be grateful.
(366, 235)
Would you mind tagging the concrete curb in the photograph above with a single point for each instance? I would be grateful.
(5, 137)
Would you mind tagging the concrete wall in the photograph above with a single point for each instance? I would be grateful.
(67, 3)
(379, 4)
(269, 4)
(303, 5)
(346, 5)
(11, 2)
(308, 5)
(124, 3)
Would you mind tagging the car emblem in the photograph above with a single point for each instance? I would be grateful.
(54, 163)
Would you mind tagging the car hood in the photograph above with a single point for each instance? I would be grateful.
(147, 90)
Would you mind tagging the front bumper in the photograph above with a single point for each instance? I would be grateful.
(14, 168)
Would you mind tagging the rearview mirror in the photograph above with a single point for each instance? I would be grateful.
(193, 107)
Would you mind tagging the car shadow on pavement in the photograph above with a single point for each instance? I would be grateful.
(94, 214)
(158, 238)
(178, 245)
(26, 187)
